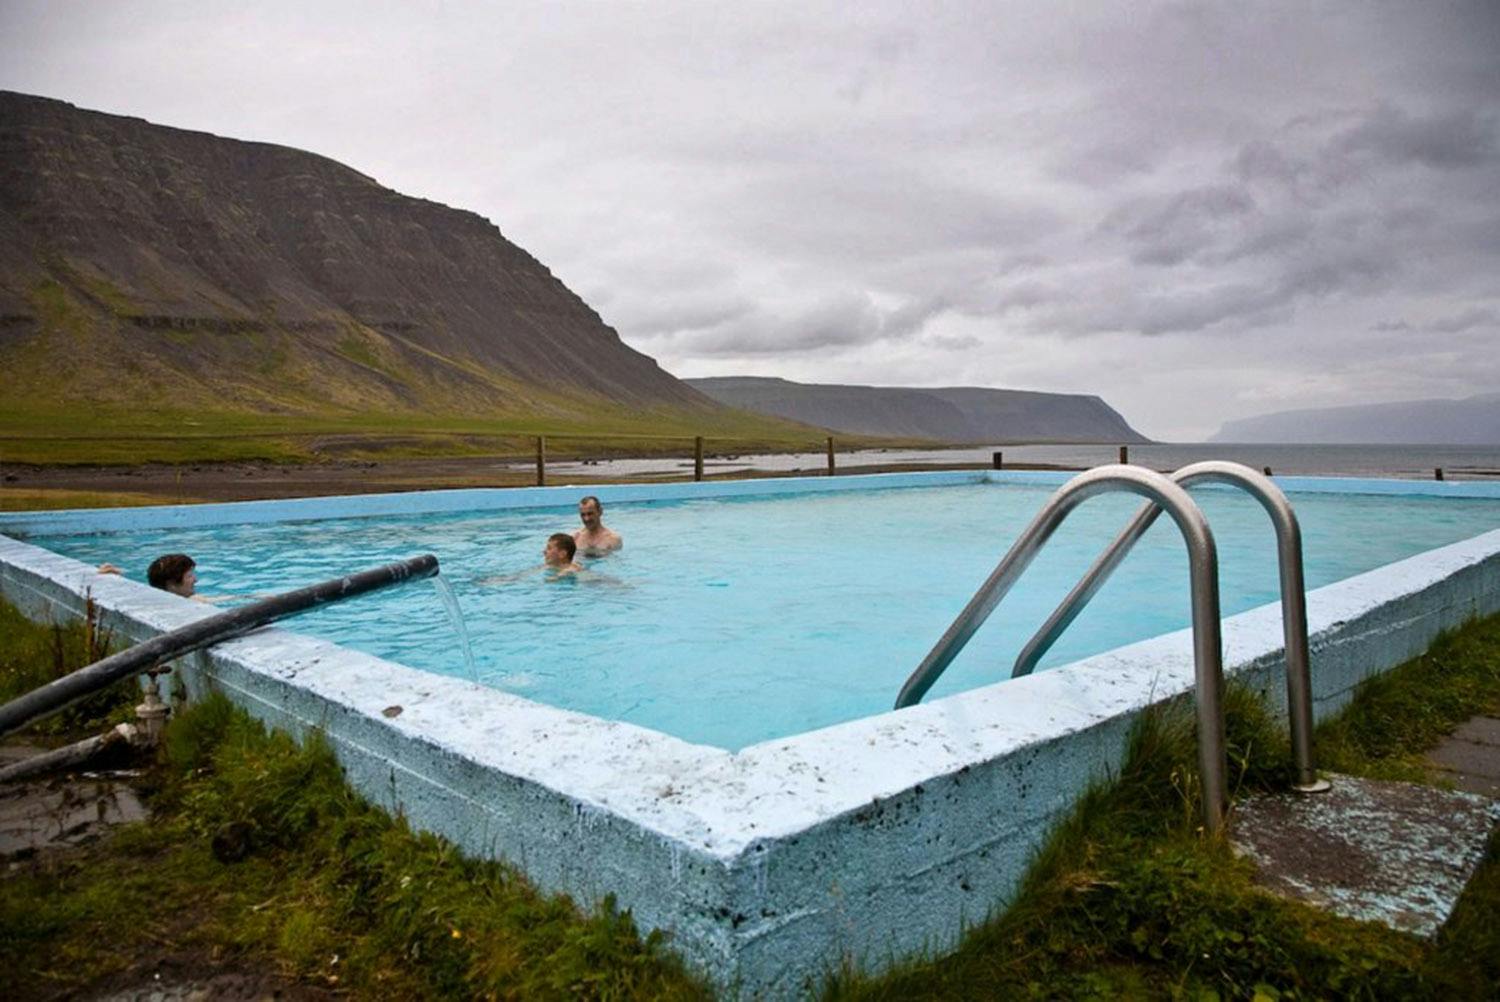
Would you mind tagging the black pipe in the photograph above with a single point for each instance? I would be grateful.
(206, 632)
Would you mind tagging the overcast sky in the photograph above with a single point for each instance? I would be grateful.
(1198, 212)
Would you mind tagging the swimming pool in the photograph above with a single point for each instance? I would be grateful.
(863, 841)
(739, 619)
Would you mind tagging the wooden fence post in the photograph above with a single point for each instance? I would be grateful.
(698, 458)
(997, 459)
(1437, 473)
(541, 460)
(1124, 454)
(830, 455)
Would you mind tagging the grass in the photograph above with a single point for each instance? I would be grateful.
(50, 498)
(259, 852)
(33, 655)
(68, 437)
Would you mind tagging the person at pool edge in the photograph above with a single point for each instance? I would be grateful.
(174, 572)
(557, 555)
(595, 538)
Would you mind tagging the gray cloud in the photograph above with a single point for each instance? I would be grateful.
(1474, 318)
(1458, 139)
(1167, 230)
(1197, 211)
(1479, 316)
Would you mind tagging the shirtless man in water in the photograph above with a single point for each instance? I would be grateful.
(595, 539)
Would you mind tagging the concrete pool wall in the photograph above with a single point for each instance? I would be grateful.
(870, 840)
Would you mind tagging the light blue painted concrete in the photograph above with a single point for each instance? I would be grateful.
(92, 520)
(873, 839)
(88, 520)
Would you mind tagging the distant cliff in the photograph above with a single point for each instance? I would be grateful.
(143, 266)
(958, 414)
(1470, 421)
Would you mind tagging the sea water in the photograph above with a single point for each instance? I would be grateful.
(730, 621)
(1458, 462)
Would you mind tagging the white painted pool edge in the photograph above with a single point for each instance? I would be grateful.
(872, 839)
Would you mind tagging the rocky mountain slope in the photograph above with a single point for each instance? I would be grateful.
(1470, 421)
(957, 414)
(151, 267)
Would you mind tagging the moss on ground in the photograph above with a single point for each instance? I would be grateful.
(259, 852)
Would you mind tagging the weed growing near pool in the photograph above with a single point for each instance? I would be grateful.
(259, 848)
(31, 656)
(1127, 898)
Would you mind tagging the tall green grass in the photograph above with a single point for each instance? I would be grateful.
(259, 853)
(33, 655)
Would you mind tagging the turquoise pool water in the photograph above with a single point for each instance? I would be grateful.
(729, 621)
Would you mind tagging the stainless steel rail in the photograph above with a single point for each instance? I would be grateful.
(1293, 597)
(1203, 573)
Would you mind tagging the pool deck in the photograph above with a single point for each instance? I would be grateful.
(868, 841)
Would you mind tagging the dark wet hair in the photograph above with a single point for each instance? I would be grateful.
(590, 497)
(169, 569)
(565, 541)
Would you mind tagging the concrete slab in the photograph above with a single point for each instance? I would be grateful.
(1395, 853)
(1482, 731)
(1484, 787)
(1467, 758)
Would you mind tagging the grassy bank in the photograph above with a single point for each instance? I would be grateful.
(259, 854)
(134, 437)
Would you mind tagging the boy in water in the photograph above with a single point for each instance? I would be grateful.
(557, 563)
(557, 555)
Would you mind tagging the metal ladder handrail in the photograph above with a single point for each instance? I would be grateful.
(1293, 597)
(1203, 573)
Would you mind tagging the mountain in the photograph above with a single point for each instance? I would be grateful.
(957, 414)
(151, 267)
(1470, 421)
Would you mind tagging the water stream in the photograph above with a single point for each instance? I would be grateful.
(449, 599)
